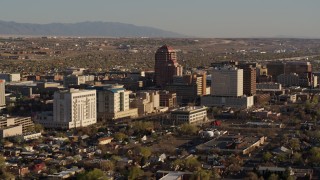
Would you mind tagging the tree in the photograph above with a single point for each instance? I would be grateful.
(188, 129)
(3, 173)
(294, 144)
(315, 156)
(107, 165)
(145, 152)
(297, 158)
(135, 172)
(251, 176)
(273, 177)
(267, 156)
(202, 174)
(92, 175)
(38, 128)
(282, 157)
(142, 127)
(178, 164)
(192, 164)
(119, 136)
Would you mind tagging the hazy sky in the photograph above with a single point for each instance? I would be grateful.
(206, 18)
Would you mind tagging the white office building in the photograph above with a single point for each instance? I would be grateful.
(189, 114)
(227, 89)
(72, 109)
(227, 81)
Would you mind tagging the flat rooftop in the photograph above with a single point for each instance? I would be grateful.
(229, 142)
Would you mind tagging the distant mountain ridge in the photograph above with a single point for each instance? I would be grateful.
(91, 29)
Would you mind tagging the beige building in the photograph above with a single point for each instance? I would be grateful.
(76, 79)
(10, 126)
(11, 131)
(227, 81)
(2, 93)
(114, 103)
(147, 102)
(104, 140)
(26, 123)
(71, 109)
(189, 114)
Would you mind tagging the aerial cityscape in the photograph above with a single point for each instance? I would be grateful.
(97, 96)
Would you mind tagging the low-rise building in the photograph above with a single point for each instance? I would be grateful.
(228, 101)
(189, 114)
(30, 136)
(233, 144)
(25, 122)
(104, 140)
(10, 131)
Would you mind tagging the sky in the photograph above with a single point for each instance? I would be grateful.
(200, 18)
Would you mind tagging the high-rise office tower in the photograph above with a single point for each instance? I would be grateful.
(227, 81)
(166, 66)
(298, 67)
(74, 108)
(249, 79)
(275, 69)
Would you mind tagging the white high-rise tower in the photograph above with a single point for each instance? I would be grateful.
(227, 81)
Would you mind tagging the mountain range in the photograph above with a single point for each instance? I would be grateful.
(88, 29)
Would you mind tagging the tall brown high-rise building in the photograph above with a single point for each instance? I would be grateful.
(298, 67)
(166, 66)
(249, 79)
(275, 69)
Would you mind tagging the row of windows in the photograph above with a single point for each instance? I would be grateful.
(83, 96)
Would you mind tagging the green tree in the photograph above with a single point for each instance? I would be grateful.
(297, 157)
(142, 127)
(267, 156)
(202, 174)
(188, 129)
(135, 172)
(38, 128)
(178, 164)
(3, 173)
(192, 164)
(115, 158)
(273, 177)
(282, 157)
(251, 176)
(294, 144)
(119, 136)
(315, 156)
(107, 165)
(145, 152)
(92, 175)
